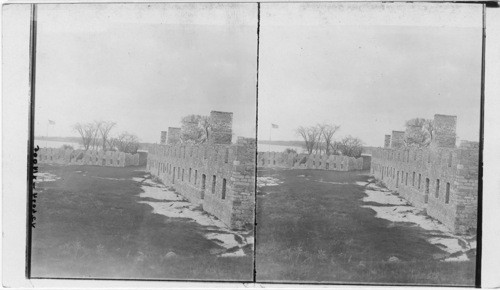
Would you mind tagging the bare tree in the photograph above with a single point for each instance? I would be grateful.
(195, 129)
(311, 136)
(104, 127)
(95, 140)
(327, 132)
(206, 125)
(349, 146)
(87, 132)
(126, 142)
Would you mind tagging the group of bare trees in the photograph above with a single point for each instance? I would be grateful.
(319, 139)
(419, 132)
(97, 135)
(195, 129)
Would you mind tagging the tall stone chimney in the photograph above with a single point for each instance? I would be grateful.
(397, 139)
(174, 135)
(221, 127)
(387, 141)
(163, 138)
(445, 131)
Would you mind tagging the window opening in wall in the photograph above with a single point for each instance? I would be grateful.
(419, 179)
(450, 158)
(413, 179)
(341, 166)
(334, 165)
(437, 188)
(427, 182)
(447, 196)
(214, 182)
(226, 155)
(178, 172)
(397, 180)
(327, 166)
(182, 174)
(173, 176)
(223, 188)
(406, 181)
(195, 176)
(203, 181)
(274, 162)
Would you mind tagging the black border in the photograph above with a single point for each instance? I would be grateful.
(480, 164)
(32, 83)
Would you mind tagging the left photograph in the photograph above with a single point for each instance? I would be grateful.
(145, 120)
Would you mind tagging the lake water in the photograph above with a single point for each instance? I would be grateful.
(260, 147)
(56, 144)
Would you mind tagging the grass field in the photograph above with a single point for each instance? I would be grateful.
(312, 228)
(90, 224)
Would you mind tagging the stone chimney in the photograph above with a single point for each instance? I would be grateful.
(387, 141)
(397, 139)
(221, 130)
(174, 135)
(445, 131)
(163, 138)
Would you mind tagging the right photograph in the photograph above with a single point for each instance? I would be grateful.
(368, 143)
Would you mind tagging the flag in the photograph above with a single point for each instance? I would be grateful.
(51, 122)
(274, 126)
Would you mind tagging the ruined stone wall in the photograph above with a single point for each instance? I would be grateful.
(313, 161)
(444, 131)
(387, 141)
(221, 124)
(163, 137)
(441, 180)
(89, 157)
(219, 177)
(174, 135)
(397, 139)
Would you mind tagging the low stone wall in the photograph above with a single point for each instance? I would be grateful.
(317, 161)
(89, 157)
(443, 181)
(219, 177)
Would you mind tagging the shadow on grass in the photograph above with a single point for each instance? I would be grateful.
(313, 228)
(91, 227)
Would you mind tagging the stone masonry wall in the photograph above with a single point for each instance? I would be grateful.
(221, 124)
(89, 157)
(219, 177)
(443, 181)
(305, 161)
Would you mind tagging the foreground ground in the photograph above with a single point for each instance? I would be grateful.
(104, 222)
(322, 226)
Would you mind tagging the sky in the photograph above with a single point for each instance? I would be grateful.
(368, 67)
(144, 66)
